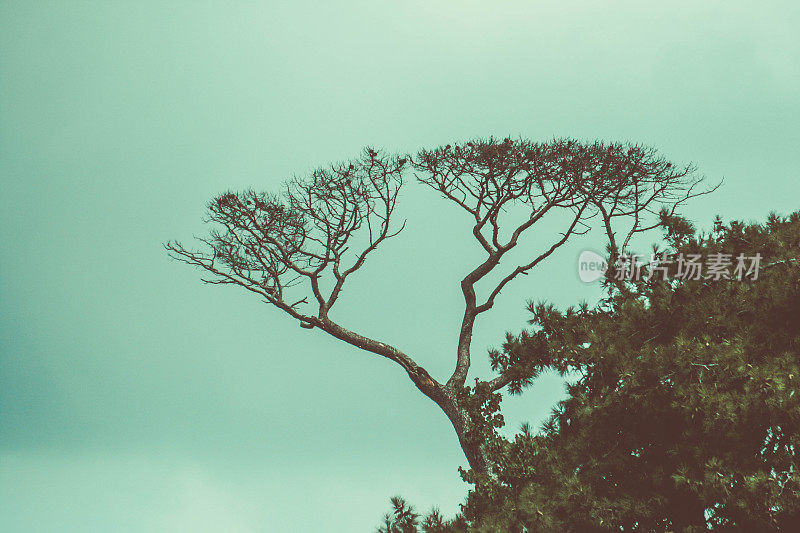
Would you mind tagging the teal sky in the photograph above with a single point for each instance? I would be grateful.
(134, 398)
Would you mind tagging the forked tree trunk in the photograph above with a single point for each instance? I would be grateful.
(444, 395)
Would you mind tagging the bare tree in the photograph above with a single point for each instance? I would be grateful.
(296, 249)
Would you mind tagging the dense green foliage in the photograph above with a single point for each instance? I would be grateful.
(403, 519)
(682, 411)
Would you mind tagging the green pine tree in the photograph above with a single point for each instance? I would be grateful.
(685, 412)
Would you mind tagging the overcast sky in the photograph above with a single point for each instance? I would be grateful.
(135, 398)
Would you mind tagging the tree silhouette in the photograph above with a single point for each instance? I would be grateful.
(296, 249)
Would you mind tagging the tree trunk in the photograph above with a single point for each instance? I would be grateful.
(474, 451)
(443, 394)
(445, 398)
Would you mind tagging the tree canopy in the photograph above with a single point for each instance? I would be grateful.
(682, 412)
(298, 247)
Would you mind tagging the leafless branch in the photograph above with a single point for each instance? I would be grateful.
(297, 249)
(495, 181)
